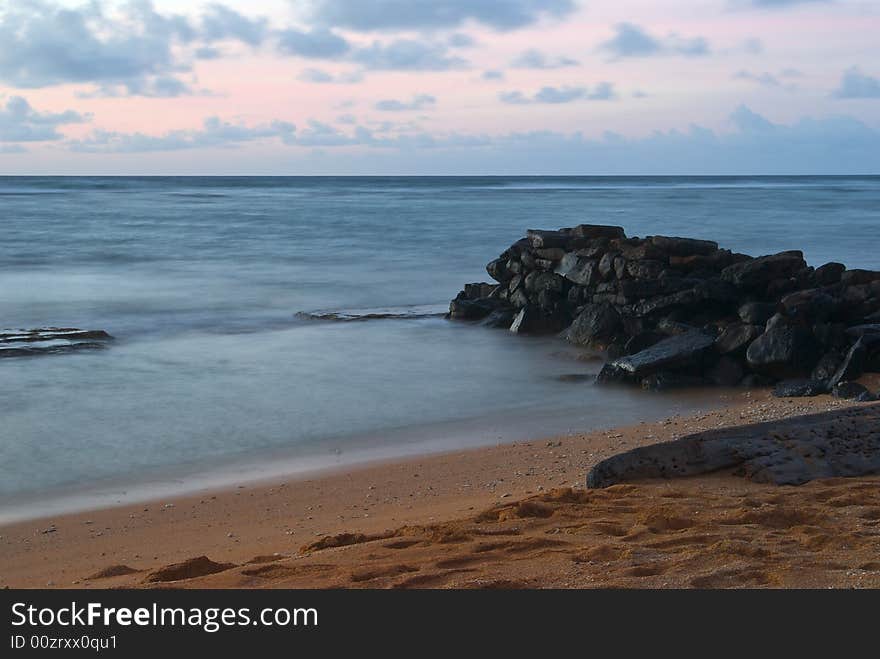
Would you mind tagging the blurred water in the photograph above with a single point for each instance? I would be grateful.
(200, 279)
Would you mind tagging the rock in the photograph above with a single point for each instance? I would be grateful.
(645, 269)
(864, 330)
(596, 325)
(756, 313)
(611, 374)
(641, 341)
(827, 366)
(727, 372)
(578, 269)
(606, 265)
(499, 271)
(814, 304)
(853, 364)
(857, 277)
(799, 387)
(665, 380)
(465, 309)
(531, 320)
(684, 246)
(828, 274)
(735, 338)
(519, 299)
(785, 351)
(591, 231)
(852, 391)
(538, 238)
(755, 380)
(788, 452)
(188, 569)
(776, 320)
(551, 253)
(501, 318)
(478, 290)
(50, 340)
(670, 353)
(759, 272)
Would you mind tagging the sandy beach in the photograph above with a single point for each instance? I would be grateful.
(506, 516)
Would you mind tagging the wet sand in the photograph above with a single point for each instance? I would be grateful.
(513, 515)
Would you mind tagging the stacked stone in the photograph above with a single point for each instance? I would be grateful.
(674, 311)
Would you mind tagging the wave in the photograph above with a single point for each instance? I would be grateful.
(413, 312)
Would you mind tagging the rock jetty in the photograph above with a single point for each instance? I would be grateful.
(670, 312)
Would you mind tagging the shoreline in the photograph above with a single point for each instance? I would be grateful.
(271, 522)
(336, 453)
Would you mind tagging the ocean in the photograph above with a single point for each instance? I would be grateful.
(273, 325)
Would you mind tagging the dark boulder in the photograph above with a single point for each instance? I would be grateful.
(501, 318)
(813, 304)
(498, 270)
(853, 364)
(785, 351)
(852, 391)
(684, 246)
(799, 387)
(591, 231)
(665, 380)
(864, 330)
(828, 274)
(757, 313)
(596, 325)
(735, 338)
(726, 372)
(532, 320)
(671, 353)
(578, 269)
(759, 272)
(827, 366)
(539, 238)
(464, 309)
(858, 277)
(641, 341)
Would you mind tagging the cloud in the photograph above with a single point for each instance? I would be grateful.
(492, 75)
(435, 14)
(767, 79)
(753, 145)
(46, 44)
(214, 133)
(323, 77)
(220, 23)
(630, 40)
(407, 55)
(318, 43)
(554, 95)
(535, 59)
(461, 40)
(19, 122)
(122, 48)
(418, 102)
(855, 84)
(777, 4)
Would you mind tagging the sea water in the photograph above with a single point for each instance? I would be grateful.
(270, 325)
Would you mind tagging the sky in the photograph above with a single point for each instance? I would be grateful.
(360, 87)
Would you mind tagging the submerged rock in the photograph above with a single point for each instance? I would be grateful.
(50, 340)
